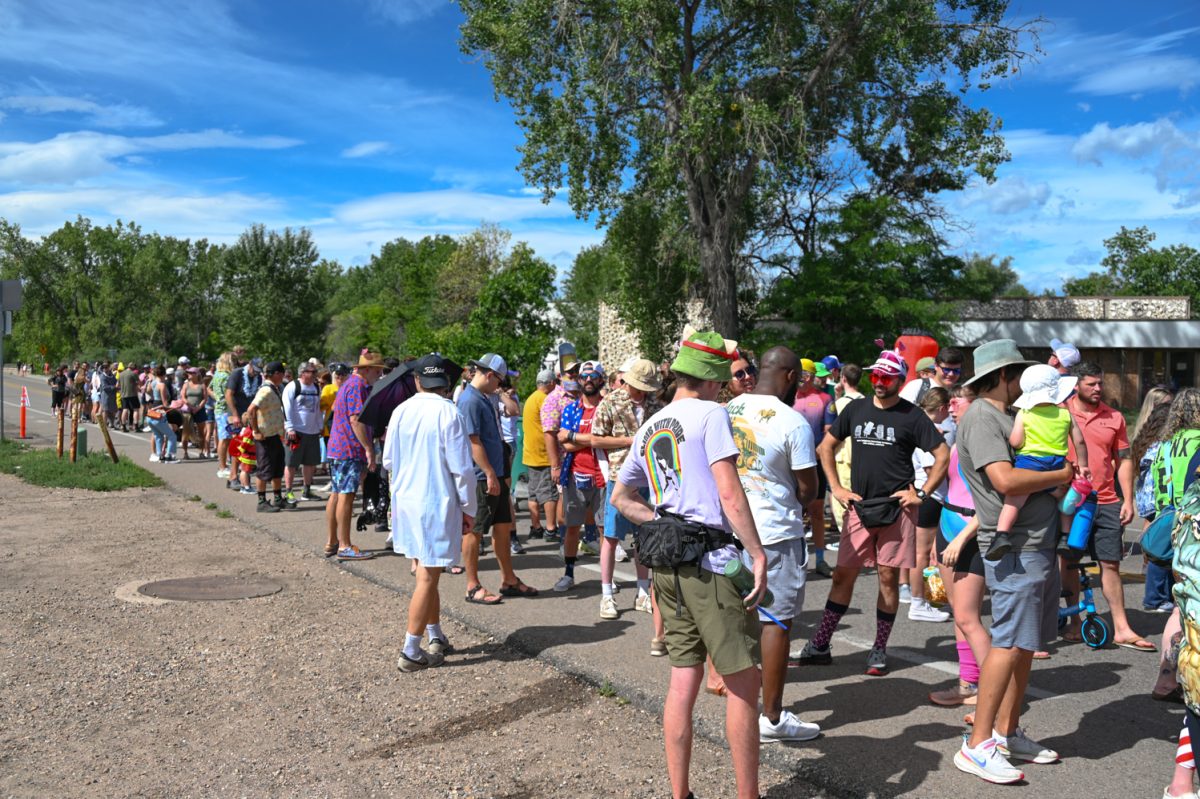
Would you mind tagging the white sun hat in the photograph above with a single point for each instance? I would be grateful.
(1041, 384)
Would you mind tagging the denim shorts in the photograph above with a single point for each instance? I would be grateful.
(615, 525)
(1026, 589)
(222, 423)
(345, 475)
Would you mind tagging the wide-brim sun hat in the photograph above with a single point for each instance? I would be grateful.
(1041, 384)
(993, 355)
(705, 355)
(367, 358)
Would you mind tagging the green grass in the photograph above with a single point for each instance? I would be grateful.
(606, 689)
(210, 506)
(97, 472)
(224, 514)
(194, 498)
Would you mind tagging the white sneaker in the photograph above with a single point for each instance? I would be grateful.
(643, 604)
(1168, 795)
(223, 473)
(608, 608)
(621, 555)
(986, 762)
(154, 459)
(832, 547)
(905, 594)
(920, 610)
(564, 583)
(1020, 746)
(789, 728)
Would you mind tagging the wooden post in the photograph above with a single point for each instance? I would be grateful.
(112, 451)
(62, 423)
(76, 404)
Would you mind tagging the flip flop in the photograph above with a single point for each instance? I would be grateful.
(456, 570)
(1041, 655)
(1072, 638)
(722, 691)
(331, 550)
(518, 590)
(487, 599)
(1138, 645)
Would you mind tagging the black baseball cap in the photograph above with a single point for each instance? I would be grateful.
(436, 371)
(272, 368)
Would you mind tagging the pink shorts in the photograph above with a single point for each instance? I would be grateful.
(894, 545)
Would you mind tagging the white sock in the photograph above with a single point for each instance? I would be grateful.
(643, 587)
(412, 645)
(1001, 740)
(606, 589)
(435, 631)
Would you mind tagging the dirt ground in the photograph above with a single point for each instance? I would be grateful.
(295, 694)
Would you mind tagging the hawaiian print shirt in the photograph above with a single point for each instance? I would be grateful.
(270, 410)
(617, 415)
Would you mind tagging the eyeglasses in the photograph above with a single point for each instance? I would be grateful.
(878, 379)
(950, 370)
(592, 376)
(749, 371)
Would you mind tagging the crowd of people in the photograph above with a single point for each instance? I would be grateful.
(720, 473)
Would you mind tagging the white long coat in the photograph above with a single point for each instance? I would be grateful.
(428, 456)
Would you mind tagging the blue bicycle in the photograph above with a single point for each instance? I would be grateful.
(1094, 630)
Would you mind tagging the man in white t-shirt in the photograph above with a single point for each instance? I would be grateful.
(777, 467)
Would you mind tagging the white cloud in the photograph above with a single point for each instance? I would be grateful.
(120, 115)
(1010, 195)
(1084, 107)
(72, 157)
(402, 12)
(366, 148)
(1118, 63)
(1169, 153)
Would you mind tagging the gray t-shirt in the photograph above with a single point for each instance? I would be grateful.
(983, 439)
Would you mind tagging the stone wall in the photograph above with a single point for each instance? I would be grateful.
(619, 342)
(1090, 308)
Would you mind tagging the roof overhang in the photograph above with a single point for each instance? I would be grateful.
(1085, 334)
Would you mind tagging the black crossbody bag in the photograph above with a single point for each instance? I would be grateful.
(671, 541)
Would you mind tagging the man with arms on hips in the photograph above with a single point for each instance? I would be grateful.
(1108, 457)
(543, 493)
(494, 511)
(303, 422)
(778, 471)
(351, 451)
(428, 457)
(551, 417)
(880, 527)
(581, 479)
(617, 418)
(686, 456)
(1024, 583)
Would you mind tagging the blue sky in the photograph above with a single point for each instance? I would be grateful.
(363, 121)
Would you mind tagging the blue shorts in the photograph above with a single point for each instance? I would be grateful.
(222, 423)
(345, 475)
(615, 525)
(1039, 463)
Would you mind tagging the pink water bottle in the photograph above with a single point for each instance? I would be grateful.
(1076, 495)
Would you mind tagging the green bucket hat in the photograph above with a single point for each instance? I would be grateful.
(992, 355)
(705, 355)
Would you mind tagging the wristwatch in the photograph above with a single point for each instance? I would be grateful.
(921, 494)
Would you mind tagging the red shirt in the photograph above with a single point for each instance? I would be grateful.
(1105, 434)
(585, 459)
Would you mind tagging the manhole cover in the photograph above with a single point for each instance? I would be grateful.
(213, 588)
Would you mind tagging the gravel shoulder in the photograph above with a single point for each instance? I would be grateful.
(291, 694)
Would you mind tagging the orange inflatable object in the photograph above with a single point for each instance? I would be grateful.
(915, 345)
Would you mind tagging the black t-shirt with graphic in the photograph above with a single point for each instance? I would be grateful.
(883, 443)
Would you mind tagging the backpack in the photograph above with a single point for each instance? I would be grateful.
(1143, 497)
(926, 384)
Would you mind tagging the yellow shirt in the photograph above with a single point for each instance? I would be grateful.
(328, 395)
(534, 452)
(1047, 430)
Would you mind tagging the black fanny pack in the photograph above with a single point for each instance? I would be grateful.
(879, 512)
(670, 541)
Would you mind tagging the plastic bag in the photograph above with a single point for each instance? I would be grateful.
(935, 589)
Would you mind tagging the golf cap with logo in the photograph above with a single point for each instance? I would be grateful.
(436, 371)
(1041, 384)
(642, 375)
(1067, 354)
(493, 363)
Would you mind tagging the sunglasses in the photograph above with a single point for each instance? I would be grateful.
(883, 380)
(950, 370)
(592, 376)
(749, 371)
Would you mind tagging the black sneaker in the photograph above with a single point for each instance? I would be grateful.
(266, 507)
(308, 495)
(283, 503)
(537, 532)
(999, 548)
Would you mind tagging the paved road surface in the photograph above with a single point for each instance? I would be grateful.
(881, 735)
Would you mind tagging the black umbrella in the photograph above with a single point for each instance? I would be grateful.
(386, 394)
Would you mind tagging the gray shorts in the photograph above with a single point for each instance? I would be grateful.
(308, 453)
(1106, 542)
(1026, 588)
(541, 485)
(580, 501)
(786, 577)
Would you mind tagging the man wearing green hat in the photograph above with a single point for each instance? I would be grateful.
(686, 456)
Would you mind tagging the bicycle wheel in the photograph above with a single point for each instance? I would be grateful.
(1095, 632)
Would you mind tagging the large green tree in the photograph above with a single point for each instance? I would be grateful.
(726, 103)
(1133, 266)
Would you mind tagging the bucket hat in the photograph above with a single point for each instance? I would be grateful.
(993, 355)
(705, 355)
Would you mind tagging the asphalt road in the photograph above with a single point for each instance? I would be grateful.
(880, 737)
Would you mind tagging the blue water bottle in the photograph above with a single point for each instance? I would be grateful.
(1081, 525)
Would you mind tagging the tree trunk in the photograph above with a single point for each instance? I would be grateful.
(716, 260)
